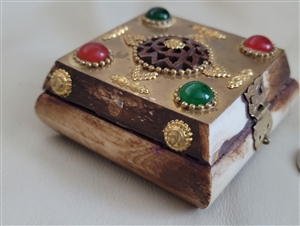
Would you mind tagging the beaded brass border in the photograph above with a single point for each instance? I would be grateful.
(173, 72)
(159, 24)
(88, 64)
(257, 54)
(200, 108)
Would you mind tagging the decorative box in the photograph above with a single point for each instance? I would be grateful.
(179, 103)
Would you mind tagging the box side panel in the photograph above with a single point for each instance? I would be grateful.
(131, 111)
(228, 125)
(175, 173)
(276, 76)
(236, 116)
(241, 149)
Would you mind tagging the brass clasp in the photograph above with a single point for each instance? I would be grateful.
(259, 109)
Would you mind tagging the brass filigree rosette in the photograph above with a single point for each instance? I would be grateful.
(178, 135)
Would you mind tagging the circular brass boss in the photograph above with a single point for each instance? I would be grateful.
(61, 83)
(178, 135)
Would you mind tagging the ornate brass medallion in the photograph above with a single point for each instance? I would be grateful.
(61, 83)
(170, 54)
(178, 135)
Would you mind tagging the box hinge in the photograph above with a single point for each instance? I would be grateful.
(258, 108)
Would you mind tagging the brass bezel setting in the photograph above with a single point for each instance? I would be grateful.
(61, 83)
(257, 54)
(88, 64)
(173, 72)
(178, 135)
(159, 24)
(199, 108)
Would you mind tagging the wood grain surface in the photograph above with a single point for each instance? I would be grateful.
(183, 176)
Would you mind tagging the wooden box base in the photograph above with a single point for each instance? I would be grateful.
(185, 177)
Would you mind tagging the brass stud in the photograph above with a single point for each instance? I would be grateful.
(178, 135)
(61, 83)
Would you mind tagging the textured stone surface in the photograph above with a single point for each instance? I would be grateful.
(158, 14)
(259, 43)
(93, 52)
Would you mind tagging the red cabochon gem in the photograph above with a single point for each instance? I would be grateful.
(93, 52)
(259, 43)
